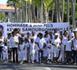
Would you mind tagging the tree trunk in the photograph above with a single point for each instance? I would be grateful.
(62, 10)
(46, 15)
(53, 12)
(41, 12)
(56, 10)
(73, 13)
(26, 12)
(67, 10)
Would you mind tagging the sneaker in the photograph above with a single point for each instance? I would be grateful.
(32, 62)
(21, 62)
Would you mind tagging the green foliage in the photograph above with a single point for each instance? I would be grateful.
(2, 17)
(48, 4)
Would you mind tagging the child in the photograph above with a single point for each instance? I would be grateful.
(26, 45)
(21, 51)
(36, 52)
(45, 53)
(49, 52)
(32, 51)
(5, 53)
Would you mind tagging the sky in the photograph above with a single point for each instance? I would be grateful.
(3, 1)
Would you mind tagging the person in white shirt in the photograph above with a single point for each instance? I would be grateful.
(36, 52)
(63, 45)
(5, 53)
(45, 53)
(2, 40)
(41, 44)
(16, 37)
(62, 51)
(68, 50)
(75, 47)
(10, 43)
(32, 51)
(27, 45)
(57, 46)
(21, 48)
(49, 52)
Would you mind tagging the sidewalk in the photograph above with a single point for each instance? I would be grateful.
(40, 65)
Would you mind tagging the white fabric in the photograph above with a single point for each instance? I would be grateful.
(64, 41)
(16, 40)
(68, 45)
(11, 42)
(45, 52)
(75, 44)
(5, 53)
(21, 53)
(41, 43)
(2, 41)
(57, 42)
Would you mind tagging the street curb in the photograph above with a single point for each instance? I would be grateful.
(41, 65)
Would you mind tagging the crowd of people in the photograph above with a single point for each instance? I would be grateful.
(55, 46)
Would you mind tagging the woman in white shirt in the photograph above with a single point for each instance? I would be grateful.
(57, 45)
(21, 51)
(32, 51)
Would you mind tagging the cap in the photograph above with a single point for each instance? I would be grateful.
(75, 30)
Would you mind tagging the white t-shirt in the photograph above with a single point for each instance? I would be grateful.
(21, 46)
(68, 45)
(26, 45)
(16, 40)
(75, 44)
(57, 42)
(2, 41)
(41, 43)
(64, 41)
(32, 48)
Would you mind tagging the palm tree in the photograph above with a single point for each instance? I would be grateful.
(73, 12)
(67, 10)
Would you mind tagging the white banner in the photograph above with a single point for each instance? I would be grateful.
(8, 27)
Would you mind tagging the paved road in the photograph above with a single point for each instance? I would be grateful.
(36, 67)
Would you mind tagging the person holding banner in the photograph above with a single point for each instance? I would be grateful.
(16, 36)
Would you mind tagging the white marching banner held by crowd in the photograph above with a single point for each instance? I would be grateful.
(8, 27)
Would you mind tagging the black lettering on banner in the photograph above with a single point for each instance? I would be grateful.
(48, 25)
(9, 29)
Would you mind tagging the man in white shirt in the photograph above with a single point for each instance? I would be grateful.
(16, 44)
(75, 47)
(68, 50)
(41, 44)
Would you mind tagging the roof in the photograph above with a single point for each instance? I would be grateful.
(5, 7)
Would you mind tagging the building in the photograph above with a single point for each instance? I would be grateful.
(8, 11)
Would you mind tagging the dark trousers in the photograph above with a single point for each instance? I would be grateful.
(10, 54)
(28, 54)
(68, 57)
(75, 56)
(15, 54)
(40, 54)
(0, 52)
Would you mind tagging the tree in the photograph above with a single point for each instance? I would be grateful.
(73, 2)
(13, 3)
(2, 17)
